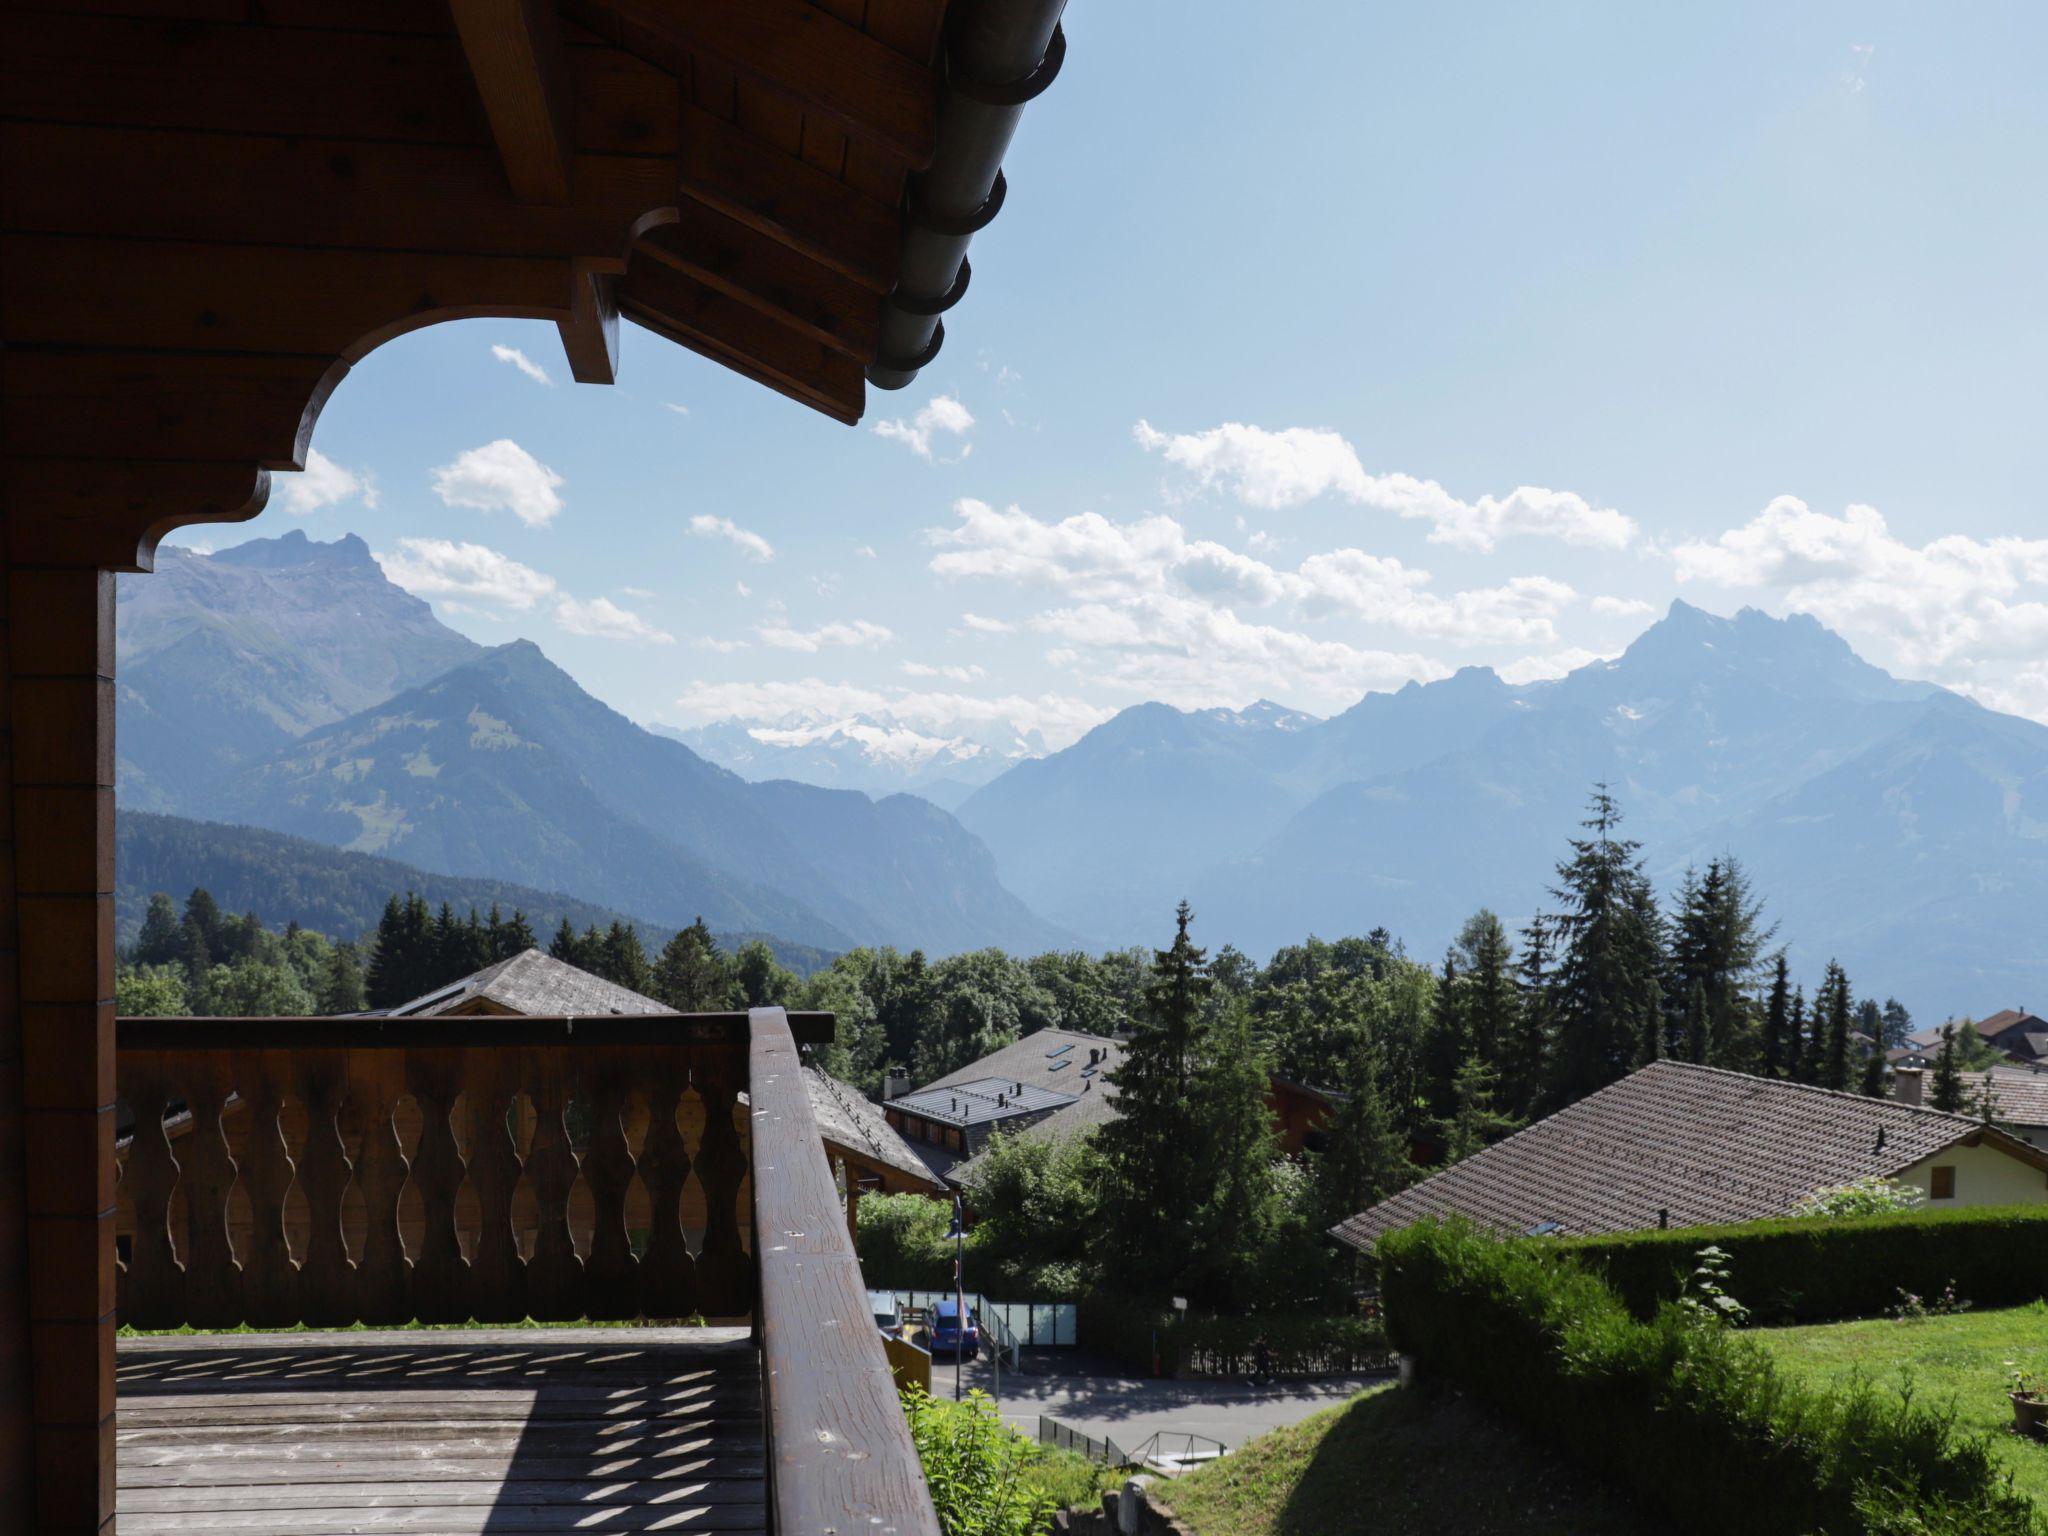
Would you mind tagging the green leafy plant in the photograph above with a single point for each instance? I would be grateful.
(980, 1471)
(2021, 1382)
(1872, 1196)
(1946, 1303)
(1706, 1299)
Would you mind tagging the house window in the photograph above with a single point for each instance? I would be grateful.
(1942, 1184)
(931, 1133)
(953, 1140)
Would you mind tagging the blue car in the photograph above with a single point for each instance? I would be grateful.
(945, 1332)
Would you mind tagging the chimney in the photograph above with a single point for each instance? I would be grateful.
(1002, 1101)
(1907, 1085)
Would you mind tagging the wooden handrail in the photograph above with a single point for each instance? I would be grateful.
(840, 1457)
(378, 1032)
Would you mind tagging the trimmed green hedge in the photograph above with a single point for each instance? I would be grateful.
(1813, 1270)
(1694, 1418)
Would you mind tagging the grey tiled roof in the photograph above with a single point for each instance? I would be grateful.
(1094, 1107)
(980, 1100)
(2019, 1095)
(535, 983)
(1703, 1144)
(1052, 1059)
(848, 1120)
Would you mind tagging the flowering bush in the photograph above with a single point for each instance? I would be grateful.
(1860, 1197)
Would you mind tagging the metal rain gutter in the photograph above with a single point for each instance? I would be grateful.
(999, 55)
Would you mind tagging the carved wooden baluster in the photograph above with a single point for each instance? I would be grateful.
(554, 1277)
(152, 1293)
(497, 1275)
(725, 1278)
(440, 1285)
(213, 1280)
(383, 1273)
(611, 1283)
(326, 1277)
(668, 1274)
(270, 1280)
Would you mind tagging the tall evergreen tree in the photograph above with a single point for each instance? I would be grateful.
(157, 944)
(1717, 939)
(626, 959)
(1525, 1055)
(1491, 1000)
(203, 912)
(1605, 992)
(1897, 1024)
(566, 946)
(1156, 1152)
(1366, 1157)
(342, 988)
(1696, 1024)
(1805, 1040)
(1871, 1080)
(1835, 1063)
(1448, 1043)
(1474, 1122)
(690, 975)
(385, 985)
(1238, 1220)
(1778, 1019)
(1946, 1091)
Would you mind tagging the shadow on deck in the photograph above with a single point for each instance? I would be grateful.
(453, 1433)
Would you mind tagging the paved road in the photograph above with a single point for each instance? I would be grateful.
(1104, 1402)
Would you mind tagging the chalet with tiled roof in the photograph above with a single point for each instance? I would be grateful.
(1687, 1145)
(2020, 1034)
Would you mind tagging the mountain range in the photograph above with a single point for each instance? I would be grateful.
(334, 707)
(876, 753)
(1894, 825)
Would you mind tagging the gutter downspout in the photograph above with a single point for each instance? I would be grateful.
(999, 55)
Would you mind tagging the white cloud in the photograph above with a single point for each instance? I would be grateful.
(865, 551)
(743, 589)
(856, 632)
(680, 410)
(982, 625)
(323, 483)
(705, 526)
(1623, 607)
(1972, 613)
(523, 363)
(723, 647)
(603, 619)
(943, 415)
(1537, 669)
(1274, 471)
(1088, 556)
(501, 476)
(640, 592)
(1060, 718)
(967, 674)
(466, 573)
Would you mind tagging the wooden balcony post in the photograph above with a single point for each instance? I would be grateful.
(57, 1048)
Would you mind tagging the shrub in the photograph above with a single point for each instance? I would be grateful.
(1696, 1420)
(1873, 1196)
(980, 1471)
(1800, 1270)
(903, 1242)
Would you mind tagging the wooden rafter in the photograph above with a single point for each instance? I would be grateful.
(774, 278)
(861, 86)
(515, 55)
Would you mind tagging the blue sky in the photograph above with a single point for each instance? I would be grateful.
(1284, 308)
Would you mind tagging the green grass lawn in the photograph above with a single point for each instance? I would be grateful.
(1422, 1462)
(1961, 1358)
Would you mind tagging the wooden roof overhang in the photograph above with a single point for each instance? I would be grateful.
(210, 209)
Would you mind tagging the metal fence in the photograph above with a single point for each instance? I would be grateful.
(1065, 1437)
(1037, 1324)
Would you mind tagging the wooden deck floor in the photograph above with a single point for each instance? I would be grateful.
(449, 1433)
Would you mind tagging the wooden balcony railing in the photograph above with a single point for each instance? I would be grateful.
(334, 1171)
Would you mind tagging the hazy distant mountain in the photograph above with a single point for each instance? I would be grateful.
(495, 764)
(1890, 823)
(294, 880)
(875, 753)
(224, 658)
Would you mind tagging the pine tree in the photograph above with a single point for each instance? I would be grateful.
(1448, 1044)
(1237, 1221)
(384, 984)
(202, 911)
(1871, 1082)
(565, 946)
(1897, 1024)
(1777, 1020)
(518, 937)
(690, 975)
(1525, 1053)
(1717, 937)
(1696, 1024)
(1605, 991)
(1804, 1041)
(1156, 1151)
(157, 944)
(1835, 1064)
(1491, 1002)
(342, 989)
(1474, 1122)
(1946, 1090)
(1366, 1157)
(625, 959)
